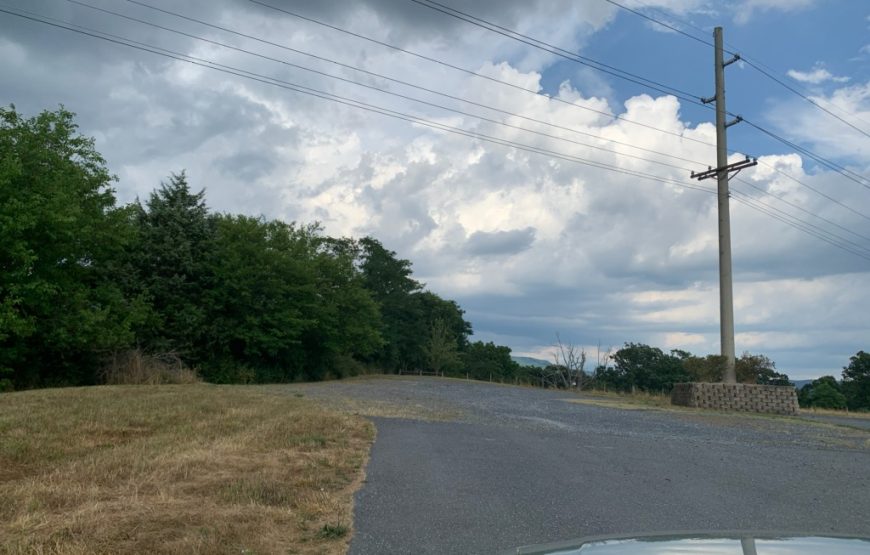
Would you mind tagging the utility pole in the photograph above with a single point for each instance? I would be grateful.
(722, 173)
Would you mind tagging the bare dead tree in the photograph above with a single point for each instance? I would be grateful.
(569, 368)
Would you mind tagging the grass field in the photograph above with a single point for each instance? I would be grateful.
(176, 469)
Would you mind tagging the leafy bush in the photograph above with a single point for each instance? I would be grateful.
(135, 367)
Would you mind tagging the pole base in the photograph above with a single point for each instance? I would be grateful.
(740, 397)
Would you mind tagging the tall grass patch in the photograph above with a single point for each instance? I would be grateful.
(176, 469)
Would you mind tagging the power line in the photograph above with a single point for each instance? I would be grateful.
(434, 92)
(567, 54)
(662, 23)
(357, 104)
(805, 97)
(755, 65)
(811, 188)
(347, 101)
(801, 208)
(848, 174)
(807, 224)
(407, 97)
(808, 232)
(456, 68)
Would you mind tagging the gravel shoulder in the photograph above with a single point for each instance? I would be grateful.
(470, 467)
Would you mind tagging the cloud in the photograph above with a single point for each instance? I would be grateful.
(481, 243)
(530, 245)
(815, 76)
(745, 10)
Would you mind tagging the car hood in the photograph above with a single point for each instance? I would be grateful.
(707, 543)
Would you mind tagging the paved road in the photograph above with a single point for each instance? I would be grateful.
(521, 466)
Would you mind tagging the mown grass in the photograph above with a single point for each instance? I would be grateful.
(176, 469)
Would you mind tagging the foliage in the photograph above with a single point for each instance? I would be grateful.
(238, 298)
(441, 351)
(639, 366)
(175, 239)
(60, 239)
(856, 381)
(484, 361)
(826, 396)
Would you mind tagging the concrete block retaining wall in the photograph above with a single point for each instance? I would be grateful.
(777, 399)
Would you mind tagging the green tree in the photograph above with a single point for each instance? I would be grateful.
(260, 301)
(441, 351)
(484, 360)
(175, 240)
(856, 381)
(388, 279)
(60, 308)
(648, 368)
(827, 397)
(759, 369)
(704, 369)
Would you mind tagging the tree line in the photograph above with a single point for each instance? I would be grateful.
(246, 299)
(239, 298)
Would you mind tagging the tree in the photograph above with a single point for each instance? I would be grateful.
(441, 352)
(826, 396)
(175, 242)
(704, 369)
(856, 381)
(648, 368)
(60, 306)
(389, 281)
(759, 369)
(569, 368)
(259, 302)
(482, 361)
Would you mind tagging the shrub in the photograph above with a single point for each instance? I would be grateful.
(135, 367)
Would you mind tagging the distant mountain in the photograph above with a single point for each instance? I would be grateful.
(800, 383)
(529, 361)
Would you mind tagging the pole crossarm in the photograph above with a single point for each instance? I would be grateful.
(734, 167)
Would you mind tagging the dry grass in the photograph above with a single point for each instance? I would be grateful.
(176, 469)
(136, 367)
(836, 412)
(632, 401)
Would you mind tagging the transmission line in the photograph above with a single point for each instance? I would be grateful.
(567, 54)
(455, 67)
(348, 101)
(845, 172)
(407, 97)
(656, 21)
(757, 66)
(808, 232)
(385, 111)
(799, 207)
(818, 231)
(441, 94)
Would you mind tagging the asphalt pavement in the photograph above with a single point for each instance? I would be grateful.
(519, 466)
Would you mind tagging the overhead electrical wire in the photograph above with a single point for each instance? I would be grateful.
(801, 208)
(457, 68)
(433, 4)
(656, 21)
(562, 52)
(413, 119)
(813, 189)
(342, 100)
(407, 97)
(225, 29)
(845, 172)
(804, 223)
(757, 66)
(796, 226)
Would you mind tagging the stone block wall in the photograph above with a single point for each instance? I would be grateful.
(777, 399)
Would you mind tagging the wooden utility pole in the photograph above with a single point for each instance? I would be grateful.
(722, 173)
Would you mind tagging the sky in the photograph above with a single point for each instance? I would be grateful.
(577, 240)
